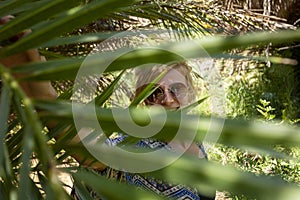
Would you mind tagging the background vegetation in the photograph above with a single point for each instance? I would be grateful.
(257, 155)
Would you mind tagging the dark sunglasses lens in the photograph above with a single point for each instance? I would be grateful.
(156, 95)
(178, 90)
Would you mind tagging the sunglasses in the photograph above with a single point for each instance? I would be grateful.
(178, 91)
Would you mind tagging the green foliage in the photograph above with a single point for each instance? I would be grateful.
(266, 110)
(24, 138)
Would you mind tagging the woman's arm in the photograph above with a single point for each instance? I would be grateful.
(37, 90)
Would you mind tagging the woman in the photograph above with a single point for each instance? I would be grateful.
(173, 91)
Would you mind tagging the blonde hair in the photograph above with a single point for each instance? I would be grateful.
(146, 75)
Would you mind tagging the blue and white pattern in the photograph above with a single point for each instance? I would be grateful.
(160, 187)
(179, 192)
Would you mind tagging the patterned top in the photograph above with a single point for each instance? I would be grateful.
(160, 187)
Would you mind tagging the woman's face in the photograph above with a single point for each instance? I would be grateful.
(172, 91)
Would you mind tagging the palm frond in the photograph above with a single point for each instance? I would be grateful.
(24, 137)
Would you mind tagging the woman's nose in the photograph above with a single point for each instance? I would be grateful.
(169, 100)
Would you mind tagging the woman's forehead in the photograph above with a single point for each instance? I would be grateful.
(173, 76)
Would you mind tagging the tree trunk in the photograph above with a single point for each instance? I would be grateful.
(267, 7)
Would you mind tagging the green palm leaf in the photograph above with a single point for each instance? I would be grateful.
(24, 138)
